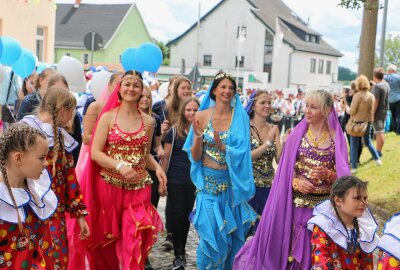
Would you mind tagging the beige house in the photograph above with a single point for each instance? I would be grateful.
(32, 24)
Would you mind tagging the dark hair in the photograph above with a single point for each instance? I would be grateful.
(26, 80)
(132, 73)
(18, 137)
(257, 93)
(182, 122)
(42, 75)
(218, 79)
(54, 78)
(340, 189)
(174, 105)
(379, 73)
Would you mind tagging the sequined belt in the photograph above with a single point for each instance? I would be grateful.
(262, 181)
(114, 178)
(308, 200)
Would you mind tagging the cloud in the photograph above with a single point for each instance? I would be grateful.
(349, 60)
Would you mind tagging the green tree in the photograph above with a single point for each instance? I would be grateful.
(368, 33)
(346, 74)
(392, 51)
(164, 50)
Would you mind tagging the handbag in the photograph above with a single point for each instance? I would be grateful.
(356, 129)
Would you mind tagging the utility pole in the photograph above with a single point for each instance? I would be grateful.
(383, 34)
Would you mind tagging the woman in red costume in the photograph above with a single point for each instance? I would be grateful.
(124, 222)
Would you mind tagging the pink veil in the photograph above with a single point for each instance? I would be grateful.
(85, 149)
(79, 249)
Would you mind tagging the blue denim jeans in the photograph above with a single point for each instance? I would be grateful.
(354, 141)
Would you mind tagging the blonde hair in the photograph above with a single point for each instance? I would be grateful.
(54, 99)
(324, 98)
(362, 83)
(150, 98)
(19, 138)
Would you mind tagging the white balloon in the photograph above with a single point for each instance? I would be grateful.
(163, 89)
(72, 70)
(99, 82)
(1, 74)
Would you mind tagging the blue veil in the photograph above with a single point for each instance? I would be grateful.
(238, 152)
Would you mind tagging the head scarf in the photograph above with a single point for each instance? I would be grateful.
(238, 153)
(249, 106)
(269, 248)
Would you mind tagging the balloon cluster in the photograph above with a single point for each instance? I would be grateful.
(21, 60)
(147, 57)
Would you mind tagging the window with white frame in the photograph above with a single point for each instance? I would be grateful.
(40, 42)
(328, 67)
(85, 58)
(313, 65)
(321, 66)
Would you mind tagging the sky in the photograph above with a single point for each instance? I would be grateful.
(167, 19)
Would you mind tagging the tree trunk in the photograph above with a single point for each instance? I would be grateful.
(368, 38)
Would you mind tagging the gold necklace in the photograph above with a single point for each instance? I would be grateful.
(317, 141)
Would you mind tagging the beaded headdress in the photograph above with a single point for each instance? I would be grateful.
(222, 75)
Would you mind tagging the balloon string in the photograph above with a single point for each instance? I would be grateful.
(14, 87)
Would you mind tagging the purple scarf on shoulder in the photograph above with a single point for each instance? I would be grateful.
(269, 248)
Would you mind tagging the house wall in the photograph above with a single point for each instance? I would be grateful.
(20, 20)
(301, 65)
(218, 37)
(131, 33)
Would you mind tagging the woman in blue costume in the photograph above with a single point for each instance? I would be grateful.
(218, 146)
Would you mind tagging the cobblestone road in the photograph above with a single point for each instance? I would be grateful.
(162, 260)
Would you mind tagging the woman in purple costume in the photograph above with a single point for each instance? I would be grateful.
(314, 155)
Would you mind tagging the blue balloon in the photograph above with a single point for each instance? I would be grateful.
(25, 65)
(10, 50)
(42, 66)
(129, 60)
(149, 57)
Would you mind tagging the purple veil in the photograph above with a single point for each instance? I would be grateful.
(269, 248)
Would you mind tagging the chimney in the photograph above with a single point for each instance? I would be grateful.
(77, 3)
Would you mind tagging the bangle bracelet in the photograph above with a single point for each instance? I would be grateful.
(198, 136)
(119, 165)
(295, 184)
(268, 143)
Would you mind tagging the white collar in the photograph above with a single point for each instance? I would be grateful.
(69, 142)
(324, 216)
(40, 198)
(390, 241)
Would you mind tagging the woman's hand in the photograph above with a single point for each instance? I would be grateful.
(220, 145)
(160, 152)
(304, 186)
(128, 173)
(198, 132)
(162, 179)
(85, 232)
(165, 126)
(322, 173)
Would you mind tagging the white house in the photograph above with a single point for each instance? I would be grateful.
(248, 28)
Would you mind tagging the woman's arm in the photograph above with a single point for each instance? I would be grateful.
(165, 161)
(278, 144)
(197, 146)
(99, 141)
(89, 121)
